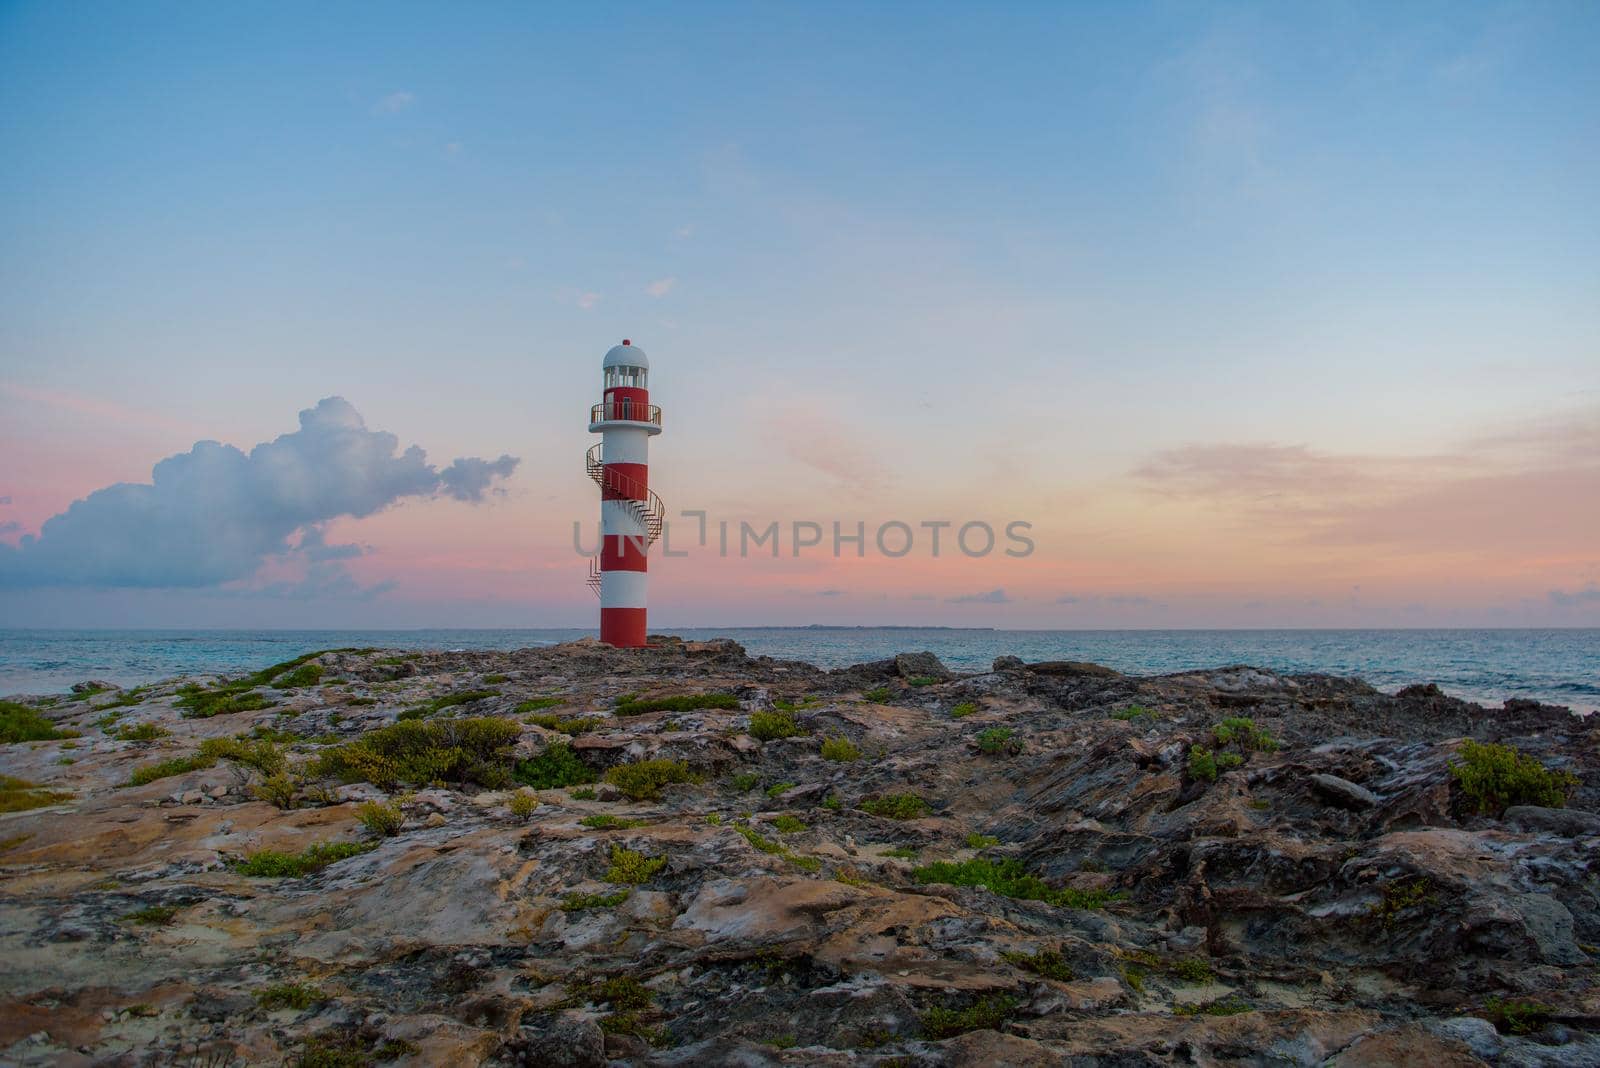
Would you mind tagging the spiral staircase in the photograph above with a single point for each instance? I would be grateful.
(649, 511)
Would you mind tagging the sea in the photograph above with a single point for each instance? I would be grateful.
(1558, 666)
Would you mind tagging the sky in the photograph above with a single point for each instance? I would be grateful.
(1254, 315)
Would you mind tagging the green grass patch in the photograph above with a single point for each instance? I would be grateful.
(304, 675)
(1131, 713)
(1047, 962)
(922, 680)
(1242, 732)
(1495, 777)
(681, 703)
(552, 722)
(897, 807)
(904, 852)
(989, 1013)
(258, 753)
(579, 902)
(383, 819)
(604, 821)
(787, 824)
(470, 750)
(963, 710)
(496, 679)
(141, 732)
(555, 767)
(994, 741)
(166, 769)
(536, 704)
(744, 781)
(981, 841)
(840, 749)
(1231, 1005)
(199, 703)
(150, 915)
(449, 700)
(643, 779)
(877, 695)
(271, 864)
(1517, 1016)
(632, 868)
(778, 789)
(583, 793)
(19, 723)
(769, 726)
(523, 803)
(1009, 878)
(760, 841)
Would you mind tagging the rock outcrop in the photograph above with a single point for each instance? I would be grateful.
(686, 855)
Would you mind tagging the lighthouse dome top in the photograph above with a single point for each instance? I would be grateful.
(626, 354)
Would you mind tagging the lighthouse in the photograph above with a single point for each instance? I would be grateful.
(630, 515)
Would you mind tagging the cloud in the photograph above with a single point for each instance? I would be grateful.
(996, 596)
(830, 593)
(1119, 600)
(5, 500)
(216, 514)
(395, 102)
(660, 287)
(10, 526)
(1577, 598)
(684, 231)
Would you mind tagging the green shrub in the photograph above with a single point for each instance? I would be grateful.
(643, 780)
(767, 726)
(840, 749)
(167, 768)
(19, 723)
(755, 838)
(606, 822)
(794, 706)
(259, 753)
(996, 740)
(583, 793)
(904, 852)
(127, 698)
(381, 818)
(832, 803)
(1202, 764)
(632, 868)
(1399, 896)
(1191, 969)
(922, 680)
(681, 703)
(20, 795)
(579, 902)
(523, 804)
(1495, 777)
(141, 732)
(989, 1013)
(537, 704)
(1009, 878)
(1243, 732)
(877, 695)
(304, 675)
(787, 824)
(897, 807)
(1516, 1017)
(555, 767)
(963, 710)
(778, 789)
(475, 750)
(150, 915)
(298, 996)
(1132, 712)
(745, 781)
(981, 841)
(276, 790)
(1232, 1005)
(493, 679)
(1047, 962)
(551, 722)
(271, 864)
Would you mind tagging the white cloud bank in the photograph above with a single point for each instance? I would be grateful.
(215, 514)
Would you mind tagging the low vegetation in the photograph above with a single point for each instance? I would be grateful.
(579, 902)
(787, 824)
(141, 732)
(840, 749)
(770, 726)
(877, 695)
(1131, 713)
(897, 807)
(271, 864)
(1232, 1005)
(1495, 777)
(963, 710)
(1009, 878)
(304, 675)
(680, 703)
(20, 795)
(199, 703)
(988, 1013)
(382, 818)
(555, 767)
(1047, 962)
(996, 741)
(523, 804)
(566, 726)
(165, 769)
(20, 723)
(604, 821)
(922, 680)
(632, 868)
(643, 779)
(536, 704)
(1242, 733)
(449, 700)
(150, 915)
(1518, 1016)
(259, 754)
(297, 996)
(471, 750)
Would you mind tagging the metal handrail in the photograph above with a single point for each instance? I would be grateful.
(625, 412)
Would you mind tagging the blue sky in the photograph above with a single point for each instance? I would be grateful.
(999, 257)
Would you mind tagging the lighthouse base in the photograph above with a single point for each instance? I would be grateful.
(622, 627)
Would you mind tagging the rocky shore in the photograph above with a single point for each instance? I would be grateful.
(685, 855)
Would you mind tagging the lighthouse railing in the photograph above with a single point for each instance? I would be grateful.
(625, 412)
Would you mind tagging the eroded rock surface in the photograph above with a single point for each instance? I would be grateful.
(808, 896)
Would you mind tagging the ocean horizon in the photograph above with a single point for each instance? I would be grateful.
(1488, 665)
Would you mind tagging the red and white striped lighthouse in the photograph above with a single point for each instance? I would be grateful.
(630, 515)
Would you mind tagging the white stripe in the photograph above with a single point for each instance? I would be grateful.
(623, 589)
(625, 445)
(618, 517)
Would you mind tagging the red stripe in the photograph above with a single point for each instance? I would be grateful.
(626, 482)
(623, 627)
(623, 552)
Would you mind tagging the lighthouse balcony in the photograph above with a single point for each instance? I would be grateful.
(625, 413)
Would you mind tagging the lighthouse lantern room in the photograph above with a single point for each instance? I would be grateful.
(631, 516)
